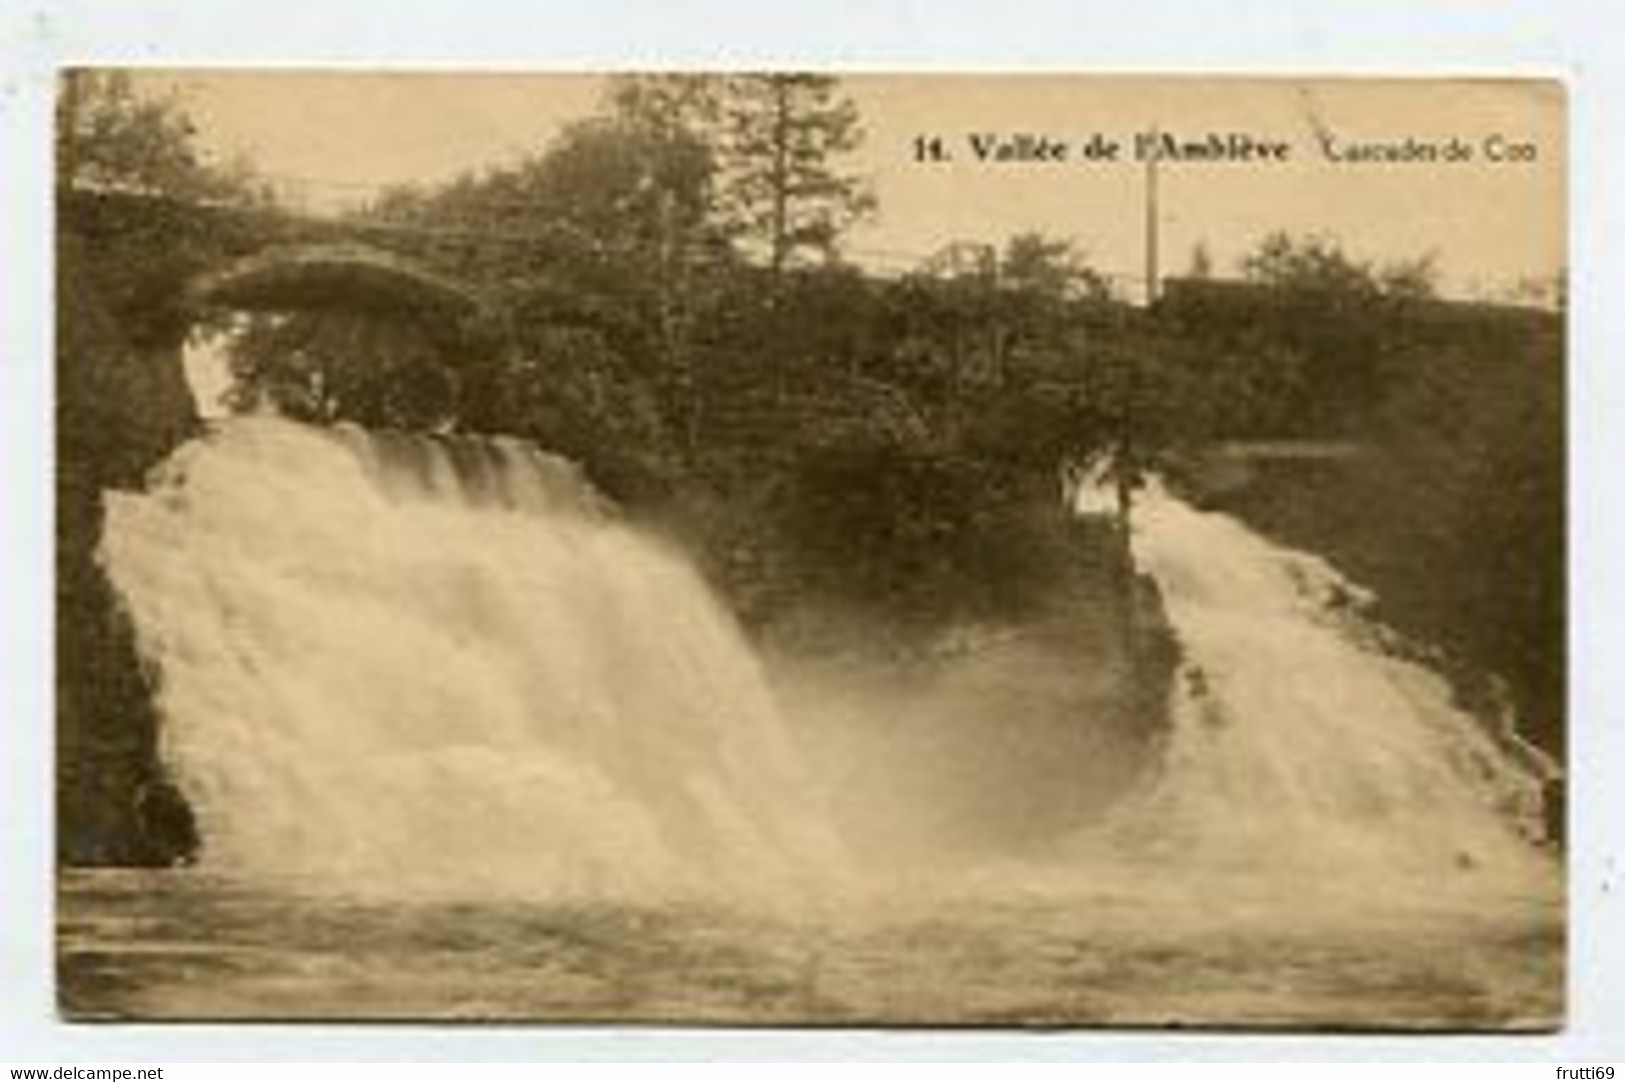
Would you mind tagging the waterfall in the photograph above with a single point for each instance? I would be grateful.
(1304, 758)
(397, 663)
(444, 665)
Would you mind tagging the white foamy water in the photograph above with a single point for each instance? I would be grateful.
(1306, 771)
(398, 664)
(457, 738)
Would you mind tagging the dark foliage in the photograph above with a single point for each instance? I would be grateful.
(1455, 516)
(914, 536)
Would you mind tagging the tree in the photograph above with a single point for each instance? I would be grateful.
(1309, 264)
(779, 134)
(110, 135)
(678, 105)
(331, 365)
(1051, 268)
(766, 143)
(1410, 279)
(771, 139)
(1320, 329)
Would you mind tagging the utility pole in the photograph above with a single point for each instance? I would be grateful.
(1127, 469)
(1128, 472)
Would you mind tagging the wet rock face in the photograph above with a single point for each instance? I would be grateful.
(122, 405)
(122, 398)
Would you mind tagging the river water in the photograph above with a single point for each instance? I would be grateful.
(462, 745)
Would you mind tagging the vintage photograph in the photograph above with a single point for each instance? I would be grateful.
(785, 548)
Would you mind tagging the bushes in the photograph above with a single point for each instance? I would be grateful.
(913, 537)
(1456, 516)
(1475, 436)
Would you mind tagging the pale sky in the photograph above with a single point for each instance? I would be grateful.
(1489, 224)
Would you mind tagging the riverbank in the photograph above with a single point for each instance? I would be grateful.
(1369, 517)
(1452, 602)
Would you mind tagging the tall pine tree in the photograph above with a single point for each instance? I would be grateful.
(780, 135)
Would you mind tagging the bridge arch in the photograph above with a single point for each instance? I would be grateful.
(338, 276)
(446, 325)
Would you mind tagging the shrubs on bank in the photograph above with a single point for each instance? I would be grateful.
(913, 537)
(1455, 514)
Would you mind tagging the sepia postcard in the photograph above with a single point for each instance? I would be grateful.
(786, 548)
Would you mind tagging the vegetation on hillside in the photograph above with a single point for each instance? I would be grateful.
(122, 406)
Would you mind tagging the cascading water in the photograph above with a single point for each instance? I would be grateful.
(398, 663)
(442, 663)
(440, 670)
(1305, 764)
